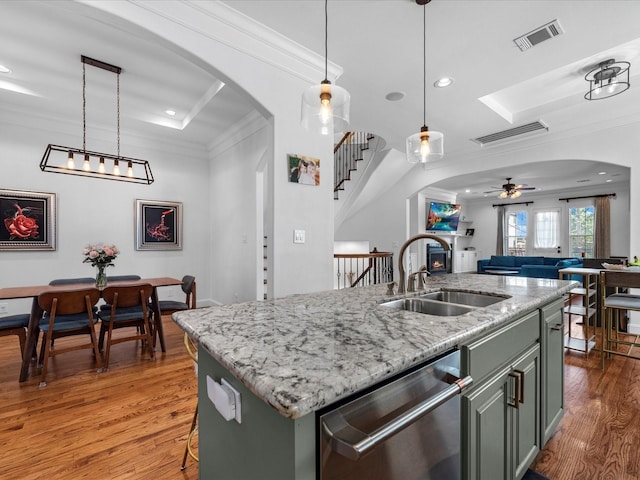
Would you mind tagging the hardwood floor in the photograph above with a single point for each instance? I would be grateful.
(599, 436)
(132, 421)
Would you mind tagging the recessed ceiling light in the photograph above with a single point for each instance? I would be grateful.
(443, 82)
(467, 191)
(171, 113)
(4, 69)
(608, 180)
(602, 173)
(394, 96)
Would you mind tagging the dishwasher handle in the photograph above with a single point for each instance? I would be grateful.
(352, 443)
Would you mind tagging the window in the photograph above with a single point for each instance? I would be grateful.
(581, 231)
(516, 234)
(547, 229)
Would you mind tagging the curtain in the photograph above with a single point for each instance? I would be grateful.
(602, 233)
(547, 229)
(500, 235)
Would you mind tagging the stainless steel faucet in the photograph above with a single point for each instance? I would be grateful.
(403, 280)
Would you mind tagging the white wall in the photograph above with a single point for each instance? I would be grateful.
(385, 223)
(273, 76)
(94, 210)
(224, 203)
(485, 219)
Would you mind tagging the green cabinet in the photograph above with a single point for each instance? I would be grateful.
(502, 421)
(517, 400)
(552, 368)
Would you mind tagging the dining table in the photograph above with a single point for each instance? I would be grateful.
(34, 291)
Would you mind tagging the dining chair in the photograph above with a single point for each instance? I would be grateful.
(129, 308)
(188, 286)
(192, 350)
(15, 325)
(66, 313)
(72, 281)
(618, 303)
(117, 278)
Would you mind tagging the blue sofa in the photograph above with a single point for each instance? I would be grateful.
(538, 267)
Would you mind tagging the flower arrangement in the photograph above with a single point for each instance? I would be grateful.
(100, 255)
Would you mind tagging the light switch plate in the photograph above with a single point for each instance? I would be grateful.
(298, 236)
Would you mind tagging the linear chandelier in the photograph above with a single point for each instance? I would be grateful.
(424, 145)
(325, 107)
(59, 159)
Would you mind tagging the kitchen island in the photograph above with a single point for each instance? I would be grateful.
(291, 357)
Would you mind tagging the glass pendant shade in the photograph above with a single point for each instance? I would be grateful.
(425, 146)
(325, 108)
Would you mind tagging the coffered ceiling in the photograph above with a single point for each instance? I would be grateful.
(379, 46)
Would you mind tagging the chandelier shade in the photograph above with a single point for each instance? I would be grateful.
(608, 79)
(425, 145)
(325, 107)
(59, 159)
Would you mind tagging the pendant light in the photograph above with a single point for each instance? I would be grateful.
(424, 145)
(325, 107)
(93, 164)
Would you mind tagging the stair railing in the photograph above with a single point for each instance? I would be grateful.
(361, 269)
(346, 154)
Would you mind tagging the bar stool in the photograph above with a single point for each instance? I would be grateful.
(615, 303)
(192, 350)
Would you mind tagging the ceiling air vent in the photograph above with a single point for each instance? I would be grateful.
(531, 39)
(509, 135)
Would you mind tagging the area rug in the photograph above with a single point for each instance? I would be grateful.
(531, 475)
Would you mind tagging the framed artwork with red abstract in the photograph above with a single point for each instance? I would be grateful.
(158, 225)
(27, 220)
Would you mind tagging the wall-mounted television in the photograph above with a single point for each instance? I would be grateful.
(443, 216)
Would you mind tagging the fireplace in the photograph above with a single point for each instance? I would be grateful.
(438, 259)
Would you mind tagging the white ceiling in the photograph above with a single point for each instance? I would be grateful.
(378, 44)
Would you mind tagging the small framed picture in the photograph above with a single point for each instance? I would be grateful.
(28, 220)
(158, 225)
(304, 170)
(470, 232)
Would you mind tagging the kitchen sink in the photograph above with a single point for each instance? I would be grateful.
(464, 298)
(430, 307)
(445, 303)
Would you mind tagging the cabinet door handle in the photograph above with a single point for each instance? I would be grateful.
(516, 394)
(557, 327)
(521, 382)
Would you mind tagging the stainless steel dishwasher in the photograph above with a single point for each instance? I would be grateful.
(408, 428)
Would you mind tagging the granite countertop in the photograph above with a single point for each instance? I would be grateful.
(303, 352)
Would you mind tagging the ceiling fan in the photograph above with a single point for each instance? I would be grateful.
(510, 190)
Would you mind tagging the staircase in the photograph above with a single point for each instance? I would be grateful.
(346, 154)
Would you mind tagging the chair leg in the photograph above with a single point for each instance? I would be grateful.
(187, 447)
(44, 352)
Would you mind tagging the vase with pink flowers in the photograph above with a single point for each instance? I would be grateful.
(100, 256)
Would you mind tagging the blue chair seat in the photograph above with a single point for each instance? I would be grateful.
(66, 322)
(15, 321)
(172, 305)
(123, 313)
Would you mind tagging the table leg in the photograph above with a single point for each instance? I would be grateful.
(33, 329)
(157, 318)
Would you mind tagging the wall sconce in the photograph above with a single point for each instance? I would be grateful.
(59, 159)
